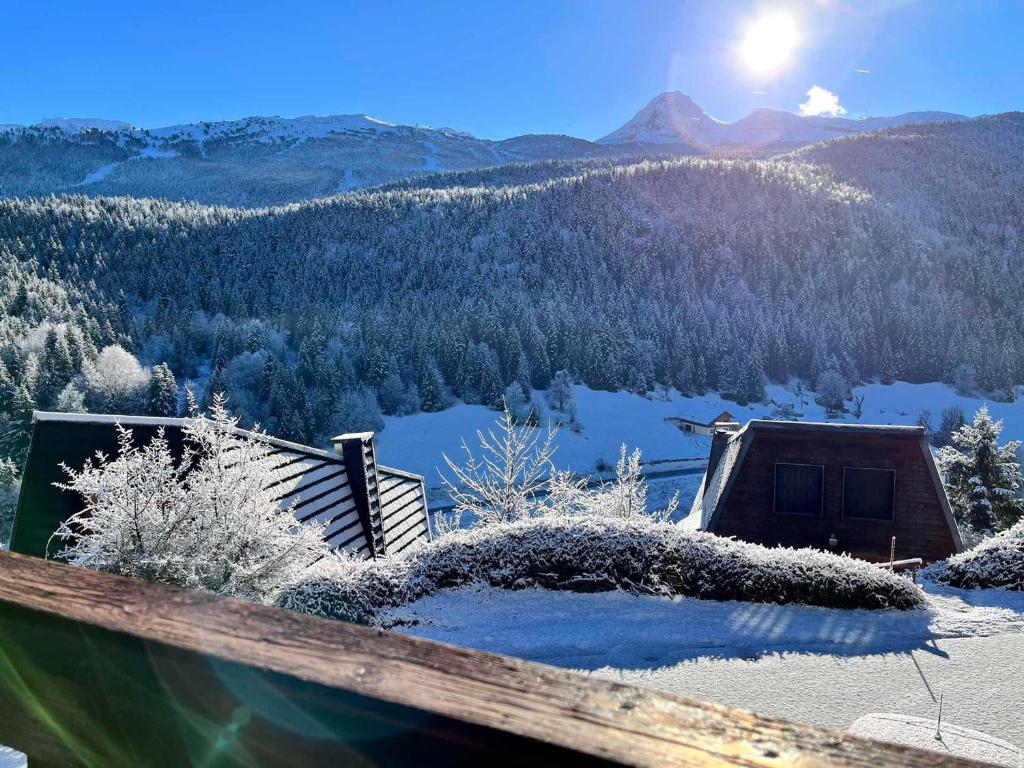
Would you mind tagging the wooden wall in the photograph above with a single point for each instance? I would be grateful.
(918, 522)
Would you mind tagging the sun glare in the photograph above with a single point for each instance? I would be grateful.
(769, 42)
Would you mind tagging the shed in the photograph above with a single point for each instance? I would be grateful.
(698, 425)
(841, 487)
(369, 509)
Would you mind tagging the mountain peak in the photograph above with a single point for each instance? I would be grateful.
(669, 118)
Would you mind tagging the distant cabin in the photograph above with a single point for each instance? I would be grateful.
(839, 487)
(369, 509)
(698, 426)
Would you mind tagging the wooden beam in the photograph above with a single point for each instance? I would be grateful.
(97, 669)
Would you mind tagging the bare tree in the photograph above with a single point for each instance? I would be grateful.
(501, 485)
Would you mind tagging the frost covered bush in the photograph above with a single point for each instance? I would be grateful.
(209, 521)
(996, 562)
(625, 497)
(592, 554)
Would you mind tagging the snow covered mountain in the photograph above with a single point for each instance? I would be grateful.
(673, 118)
(79, 124)
(260, 161)
(255, 161)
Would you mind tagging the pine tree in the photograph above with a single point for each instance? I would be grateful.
(162, 393)
(491, 391)
(431, 388)
(55, 369)
(983, 477)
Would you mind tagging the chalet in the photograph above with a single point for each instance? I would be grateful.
(700, 426)
(840, 487)
(369, 509)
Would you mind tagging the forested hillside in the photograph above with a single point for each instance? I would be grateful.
(259, 161)
(698, 273)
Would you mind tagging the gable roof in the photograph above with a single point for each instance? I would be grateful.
(334, 488)
(714, 490)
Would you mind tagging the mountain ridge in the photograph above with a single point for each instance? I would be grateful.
(673, 117)
(264, 161)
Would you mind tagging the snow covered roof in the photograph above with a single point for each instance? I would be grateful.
(368, 509)
(712, 489)
(834, 428)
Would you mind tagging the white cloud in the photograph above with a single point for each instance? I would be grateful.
(821, 101)
(863, 71)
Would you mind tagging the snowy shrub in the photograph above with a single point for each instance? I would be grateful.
(209, 521)
(592, 554)
(625, 497)
(997, 561)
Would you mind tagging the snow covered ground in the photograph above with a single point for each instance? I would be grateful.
(11, 759)
(417, 443)
(817, 665)
(952, 739)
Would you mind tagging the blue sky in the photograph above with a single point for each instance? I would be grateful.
(580, 67)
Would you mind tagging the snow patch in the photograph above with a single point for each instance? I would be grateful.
(624, 631)
(12, 758)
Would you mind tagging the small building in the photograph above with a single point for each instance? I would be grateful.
(369, 509)
(698, 425)
(839, 487)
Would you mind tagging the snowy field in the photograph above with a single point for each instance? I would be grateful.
(823, 666)
(417, 443)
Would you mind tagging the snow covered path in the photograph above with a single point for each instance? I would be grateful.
(822, 666)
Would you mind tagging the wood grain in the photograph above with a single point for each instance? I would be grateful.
(387, 698)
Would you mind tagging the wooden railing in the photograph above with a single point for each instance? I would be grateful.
(100, 670)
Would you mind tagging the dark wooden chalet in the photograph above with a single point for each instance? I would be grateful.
(369, 509)
(839, 487)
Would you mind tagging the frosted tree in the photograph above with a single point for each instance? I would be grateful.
(209, 521)
(561, 397)
(626, 496)
(982, 477)
(952, 420)
(162, 393)
(833, 389)
(71, 400)
(115, 382)
(502, 484)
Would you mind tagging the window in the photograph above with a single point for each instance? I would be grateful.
(868, 493)
(798, 489)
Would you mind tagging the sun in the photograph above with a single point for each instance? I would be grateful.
(769, 42)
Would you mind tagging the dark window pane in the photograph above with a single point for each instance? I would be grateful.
(868, 493)
(798, 489)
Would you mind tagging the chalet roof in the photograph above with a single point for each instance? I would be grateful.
(835, 427)
(368, 509)
(714, 490)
